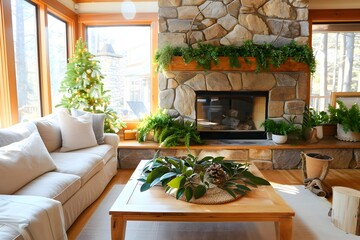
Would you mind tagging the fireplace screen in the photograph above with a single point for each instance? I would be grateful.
(231, 115)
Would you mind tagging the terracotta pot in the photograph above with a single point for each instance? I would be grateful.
(315, 165)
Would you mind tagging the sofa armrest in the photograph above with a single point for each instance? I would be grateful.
(112, 139)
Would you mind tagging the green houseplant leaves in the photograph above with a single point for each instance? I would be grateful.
(191, 177)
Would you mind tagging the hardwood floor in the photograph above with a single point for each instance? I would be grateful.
(336, 177)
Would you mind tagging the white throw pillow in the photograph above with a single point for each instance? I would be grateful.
(49, 130)
(23, 161)
(76, 132)
(97, 123)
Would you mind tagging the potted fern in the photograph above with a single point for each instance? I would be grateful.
(279, 129)
(347, 120)
(167, 131)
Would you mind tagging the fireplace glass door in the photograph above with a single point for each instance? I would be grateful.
(231, 115)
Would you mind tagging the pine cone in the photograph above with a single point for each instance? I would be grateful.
(215, 174)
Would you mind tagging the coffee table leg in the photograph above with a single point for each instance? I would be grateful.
(283, 229)
(118, 228)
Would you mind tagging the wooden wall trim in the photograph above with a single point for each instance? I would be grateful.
(334, 15)
(9, 105)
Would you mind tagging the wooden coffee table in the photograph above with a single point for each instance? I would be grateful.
(260, 205)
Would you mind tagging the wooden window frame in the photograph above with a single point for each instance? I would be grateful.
(8, 92)
(150, 19)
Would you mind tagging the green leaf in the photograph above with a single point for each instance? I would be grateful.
(144, 187)
(177, 182)
(259, 181)
(189, 193)
(238, 191)
(243, 187)
(156, 181)
(180, 192)
(202, 176)
(230, 192)
(200, 191)
(167, 175)
(157, 172)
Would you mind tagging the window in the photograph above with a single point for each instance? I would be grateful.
(24, 22)
(57, 42)
(124, 53)
(337, 50)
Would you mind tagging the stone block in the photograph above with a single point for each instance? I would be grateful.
(300, 3)
(260, 154)
(254, 23)
(253, 3)
(214, 31)
(278, 9)
(217, 81)
(302, 86)
(286, 159)
(289, 29)
(294, 107)
(162, 81)
(233, 8)
(342, 157)
(228, 22)
(302, 14)
(195, 36)
(184, 101)
(282, 94)
(263, 165)
(172, 83)
(275, 109)
(166, 98)
(235, 81)
(178, 26)
(162, 25)
(258, 81)
(213, 10)
(182, 77)
(173, 39)
(271, 39)
(189, 12)
(192, 2)
(169, 3)
(357, 158)
(129, 159)
(237, 36)
(285, 80)
(197, 83)
(304, 25)
(168, 12)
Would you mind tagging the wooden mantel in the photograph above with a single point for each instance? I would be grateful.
(178, 64)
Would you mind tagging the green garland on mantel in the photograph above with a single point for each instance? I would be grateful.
(265, 54)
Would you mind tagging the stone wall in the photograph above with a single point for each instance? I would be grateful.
(262, 158)
(231, 22)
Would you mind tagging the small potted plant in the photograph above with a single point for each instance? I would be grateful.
(279, 129)
(347, 120)
(153, 124)
(315, 120)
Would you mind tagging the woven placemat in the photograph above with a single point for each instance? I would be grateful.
(213, 195)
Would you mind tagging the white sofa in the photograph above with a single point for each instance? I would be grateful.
(65, 183)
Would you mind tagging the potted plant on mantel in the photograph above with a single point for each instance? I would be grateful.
(279, 129)
(314, 120)
(347, 120)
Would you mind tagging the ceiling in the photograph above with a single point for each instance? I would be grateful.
(115, 6)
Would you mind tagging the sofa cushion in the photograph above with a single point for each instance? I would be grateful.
(76, 132)
(97, 123)
(50, 132)
(81, 164)
(23, 161)
(55, 185)
(16, 133)
(105, 151)
(41, 218)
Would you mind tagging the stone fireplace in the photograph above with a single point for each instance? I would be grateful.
(231, 22)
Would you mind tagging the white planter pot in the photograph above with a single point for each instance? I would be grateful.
(350, 136)
(319, 132)
(279, 139)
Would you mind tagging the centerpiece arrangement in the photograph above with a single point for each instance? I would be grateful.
(210, 178)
